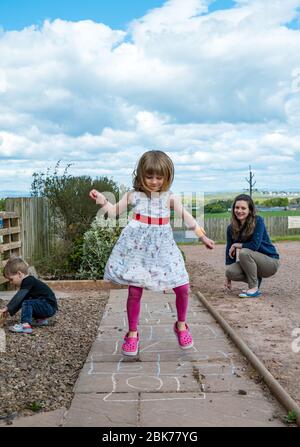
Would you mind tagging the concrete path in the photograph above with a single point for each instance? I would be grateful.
(207, 385)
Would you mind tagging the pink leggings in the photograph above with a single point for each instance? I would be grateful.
(134, 304)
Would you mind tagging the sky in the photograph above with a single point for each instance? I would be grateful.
(214, 84)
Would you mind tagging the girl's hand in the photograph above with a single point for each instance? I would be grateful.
(98, 197)
(232, 251)
(94, 194)
(209, 243)
(227, 284)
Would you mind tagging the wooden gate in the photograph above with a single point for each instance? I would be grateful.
(10, 239)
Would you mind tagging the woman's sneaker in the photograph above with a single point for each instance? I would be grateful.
(130, 345)
(21, 328)
(259, 280)
(250, 295)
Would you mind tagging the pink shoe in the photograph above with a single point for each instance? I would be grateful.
(130, 345)
(185, 338)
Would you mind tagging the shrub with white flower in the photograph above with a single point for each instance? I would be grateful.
(99, 241)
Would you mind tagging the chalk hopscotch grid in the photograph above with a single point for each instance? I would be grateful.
(150, 322)
(124, 369)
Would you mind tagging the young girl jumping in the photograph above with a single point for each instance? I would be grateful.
(146, 255)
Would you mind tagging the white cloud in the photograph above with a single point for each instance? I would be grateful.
(217, 91)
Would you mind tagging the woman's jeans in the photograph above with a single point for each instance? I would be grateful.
(251, 266)
(38, 308)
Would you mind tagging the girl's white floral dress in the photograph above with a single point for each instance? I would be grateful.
(147, 255)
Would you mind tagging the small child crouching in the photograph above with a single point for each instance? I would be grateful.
(35, 299)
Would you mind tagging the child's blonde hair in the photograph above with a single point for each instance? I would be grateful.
(14, 265)
(153, 163)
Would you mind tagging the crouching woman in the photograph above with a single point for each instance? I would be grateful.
(250, 254)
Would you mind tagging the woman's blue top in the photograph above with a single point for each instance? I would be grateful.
(259, 241)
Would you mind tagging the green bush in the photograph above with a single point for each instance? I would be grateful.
(97, 246)
(217, 206)
(71, 208)
(72, 212)
(295, 201)
(2, 204)
(57, 264)
(276, 201)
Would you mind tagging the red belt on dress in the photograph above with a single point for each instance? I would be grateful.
(151, 220)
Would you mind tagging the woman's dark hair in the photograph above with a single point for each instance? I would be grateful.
(243, 231)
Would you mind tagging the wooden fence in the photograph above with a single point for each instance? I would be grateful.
(37, 235)
(216, 228)
(35, 226)
(10, 239)
(276, 226)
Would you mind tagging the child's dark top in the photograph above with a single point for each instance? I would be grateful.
(31, 289)
(259, 241)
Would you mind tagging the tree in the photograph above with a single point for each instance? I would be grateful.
(69, 198)
(276, 201)
(217, 206)
(72, 212)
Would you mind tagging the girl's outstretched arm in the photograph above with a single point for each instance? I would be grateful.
(190, 222)
(109, 208)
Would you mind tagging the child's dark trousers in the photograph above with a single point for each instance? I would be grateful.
(38, 308)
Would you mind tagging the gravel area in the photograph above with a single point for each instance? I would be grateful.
(38, 371)
(264, 323)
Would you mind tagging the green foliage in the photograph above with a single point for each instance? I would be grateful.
(294, 237)
(2, 204)
(35, 406)
(57, 263)
(218, 206)
(295, 201)
(72, 212)
(75, 254)
(276, 201)
(69, 199)
(291, 417)
(98, 244)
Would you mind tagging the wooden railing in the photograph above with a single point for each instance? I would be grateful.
(10, 239)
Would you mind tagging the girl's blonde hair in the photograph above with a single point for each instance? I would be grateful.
(153, 163)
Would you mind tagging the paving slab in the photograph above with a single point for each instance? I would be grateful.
(120, 319)
(163, 377)
(201, 331)
(167, 350)
(207, 385)
(225, 409)
(103, 410)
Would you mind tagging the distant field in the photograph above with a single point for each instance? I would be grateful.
(257, 197)
(262, 213)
